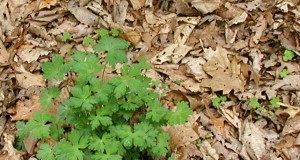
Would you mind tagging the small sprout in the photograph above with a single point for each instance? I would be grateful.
(288, 55)
(66, 37)
(218, 100)
(283, 73)
(254, 103)
(274, 102)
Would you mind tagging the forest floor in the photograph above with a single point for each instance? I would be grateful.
(236, 62)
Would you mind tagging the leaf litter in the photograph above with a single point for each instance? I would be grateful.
(200, 49)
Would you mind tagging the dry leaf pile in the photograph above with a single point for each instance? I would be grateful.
(199, 48)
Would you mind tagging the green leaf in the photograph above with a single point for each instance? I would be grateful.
(101, 118)
(283, 73)
(66, 37)
(55, 69)
(288, 55)
(47, 96)
(144, 135)
(86, 64)
(162, 146)
(82, 98)
(254, 103)
(274, 102)
(37, 126)
(102, 32)
(71, 149)
(216, 101)
(157, 111)
(181, 115)
(88, 40)
(45, 152)
(114, 32)
(115, 48)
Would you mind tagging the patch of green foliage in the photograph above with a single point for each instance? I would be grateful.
(254, 103)
(274, 102)
(120, 118)
(66, 37)
(288, 55)
(218, 100)
(283, 73)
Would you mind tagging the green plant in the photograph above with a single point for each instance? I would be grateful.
(120, 118)
(288, 55)
(254, 103)
(283, 73)
(274, 102)
(66, 37)
(218, 100)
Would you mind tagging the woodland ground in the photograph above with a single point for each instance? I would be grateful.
(200, 50)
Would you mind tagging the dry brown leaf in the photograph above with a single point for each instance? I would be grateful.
(206, 6)
(121, 12)
(30, 54)
(4, 55)
(292, 125)
(133, 36)
(259, 28)
(12, 153)
(47, 4)
(253, 139)
(209, 152)
(249, 6)
(183, 7)
(238, 19)
(173, 53)
(194, 67)
(226, 75)
(26, 80)
(25, 109)
(246, 69)
(290, 82)
(84, 15)
(137, 4)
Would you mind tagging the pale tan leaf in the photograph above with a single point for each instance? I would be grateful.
(137, 4)
(26, 80)
(47, 4)
(253, 139)
(226, 75)
(29, 54)
(206, 6)
(292, 125)
(259, 28)
(84, 15)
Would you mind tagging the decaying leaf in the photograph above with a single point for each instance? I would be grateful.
(26, 80)
(290, 82)
(30, 54)
(226, 75)
(137, 4)
(253, 140)
(25, 109)
(206, 6)
(47, 3)
(84, 15)
(292, 125)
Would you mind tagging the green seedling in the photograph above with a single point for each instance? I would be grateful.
(283, 73)
(274, 102)
(254, 103)
(218, 100)
(288, 55)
